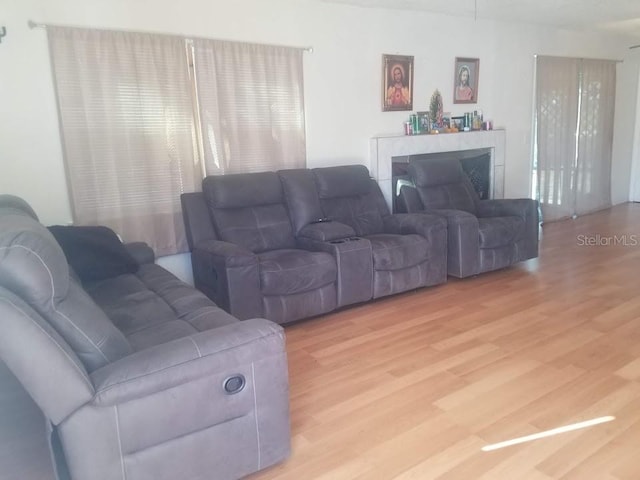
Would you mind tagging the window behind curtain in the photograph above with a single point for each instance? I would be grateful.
(556, 117)
(574, 135)
(126, 114)
(134, 122)
(251, 106)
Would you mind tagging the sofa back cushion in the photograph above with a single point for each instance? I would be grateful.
(443, 184)
(33, 267)
(303, 203)
(249, 210)
(11, 202)
(197, 221)
(348, 195)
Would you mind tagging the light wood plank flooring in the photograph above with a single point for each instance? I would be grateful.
(411, 387)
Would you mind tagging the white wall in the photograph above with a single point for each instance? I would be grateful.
(634, 183)
(342, 76)
(625, 132)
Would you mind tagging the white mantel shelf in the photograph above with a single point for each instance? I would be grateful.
(385, 147)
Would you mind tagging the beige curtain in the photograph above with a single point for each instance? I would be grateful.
(595, 137)
(126, 115)
(573, 135)
(251, 106)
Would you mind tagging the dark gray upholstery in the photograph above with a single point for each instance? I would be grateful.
(483, 235)
(248, 210)
(253, 266)
(301, 242)
(406, 253)
(130, 370)
(285, 272)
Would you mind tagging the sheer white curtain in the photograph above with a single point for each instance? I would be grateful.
(556, 117)
(574, 134)
(127, 121)
(251, 106)
(595, 137)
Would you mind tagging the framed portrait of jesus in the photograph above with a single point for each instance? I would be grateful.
(465, 81)
(397, 83)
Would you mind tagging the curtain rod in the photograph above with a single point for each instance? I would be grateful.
(581, 58)
(33, 25)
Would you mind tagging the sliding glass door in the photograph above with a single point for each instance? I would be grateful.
(573, 135)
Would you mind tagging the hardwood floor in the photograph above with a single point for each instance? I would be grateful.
(411, 387)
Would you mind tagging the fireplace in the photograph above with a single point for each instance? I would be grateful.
(391, 154)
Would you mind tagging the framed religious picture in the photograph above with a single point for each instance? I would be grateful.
(465, 80)
(424, 121)
(397, 83)
(457, 122)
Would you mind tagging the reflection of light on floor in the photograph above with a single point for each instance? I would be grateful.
(548, 433)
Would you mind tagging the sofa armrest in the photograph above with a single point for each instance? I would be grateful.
(424, 224)
(354, 259)
(463, 242)
(229, 275)
(186, 359)
(455, 216)
(228, 254)
(519, 207)
(219, 392)
(141, 252)
(326, 231)
(527, 209)
(433, 228)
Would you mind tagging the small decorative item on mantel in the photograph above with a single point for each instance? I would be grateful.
(435, 109)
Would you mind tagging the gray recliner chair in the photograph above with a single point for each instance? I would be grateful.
(175, 389)
(483, 235)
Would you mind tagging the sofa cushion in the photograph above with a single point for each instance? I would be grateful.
(153, 307)
(348, 195)
(394, 252)
(299, 189)
(242, 190)
(455, 196)
(285, 272)
(433, 172)
(94, 252)
(441, 183)
(249, 210)
(258, 228)
(344, 181)
(499, 231)
(361, 213)
(33, 266)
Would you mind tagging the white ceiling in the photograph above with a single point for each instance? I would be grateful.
(620, 16)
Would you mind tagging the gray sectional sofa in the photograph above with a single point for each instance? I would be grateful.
(297, 243)
(138, 375)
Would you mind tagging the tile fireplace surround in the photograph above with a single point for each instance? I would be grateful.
(385, 147)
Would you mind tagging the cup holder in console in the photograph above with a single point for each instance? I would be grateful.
(344, 240)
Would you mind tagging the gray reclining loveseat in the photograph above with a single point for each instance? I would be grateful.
(139, 375)
(299, 243)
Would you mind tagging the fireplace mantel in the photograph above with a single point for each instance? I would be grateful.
(385, 147)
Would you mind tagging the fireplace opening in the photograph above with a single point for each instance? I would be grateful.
(475, 163)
